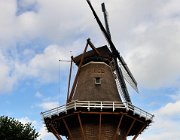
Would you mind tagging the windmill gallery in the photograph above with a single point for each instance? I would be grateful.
(98, 106)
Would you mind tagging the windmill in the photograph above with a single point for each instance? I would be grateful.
(120, 68)
(94, 109)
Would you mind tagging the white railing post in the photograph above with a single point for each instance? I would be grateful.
(127, 106)
(65, 109)
(113, 107)
(57, 110)
(101, 106)
(75, 105)
(88, 106)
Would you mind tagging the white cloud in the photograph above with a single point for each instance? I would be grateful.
(146, 31)
(26, 120)
(165, 124)
(41, 129)
(170, 9)
(176, 96)
(48, 105)
(46, 65)
(28, 25)
(7, 76)
(44, 134)
(26, 3)
(38, 94)
(171, 109)
(7, 21)
(153, 47)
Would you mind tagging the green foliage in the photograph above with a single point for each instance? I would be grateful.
(11, 129)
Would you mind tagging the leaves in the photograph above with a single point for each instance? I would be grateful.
(11, 129)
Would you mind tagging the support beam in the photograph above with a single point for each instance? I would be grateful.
(77, 75)
(130, 127)
(81, 126)
(134, 138)
(135, 118)
(54, 131)
(100, 125)
(69, 132)
(117, 129)
(59, 118)
(107, 113)
(79, 67)
(69, 81)
(93, 47)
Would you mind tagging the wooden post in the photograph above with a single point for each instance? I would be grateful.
(134, 138)
(93, 47)
(69, 132)
(130, 127)
(100, 124)
(69, 82)
(81, 126)
(78, 72)
(117, 129)
(54, 131)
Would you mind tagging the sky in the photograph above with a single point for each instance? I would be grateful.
(36, 34)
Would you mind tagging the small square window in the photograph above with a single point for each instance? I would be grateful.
(97, 80)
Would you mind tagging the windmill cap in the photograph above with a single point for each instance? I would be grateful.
(104, 56)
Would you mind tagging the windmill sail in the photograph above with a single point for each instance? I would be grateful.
(121, 83)
(117, 58)
(128, 75)
(123, 66)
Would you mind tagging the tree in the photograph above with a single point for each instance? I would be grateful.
(11, 129)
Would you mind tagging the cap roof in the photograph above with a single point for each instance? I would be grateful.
(103, 51)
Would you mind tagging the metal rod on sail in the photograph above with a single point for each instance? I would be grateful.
(106, 19)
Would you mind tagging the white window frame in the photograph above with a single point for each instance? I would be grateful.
(97, 81)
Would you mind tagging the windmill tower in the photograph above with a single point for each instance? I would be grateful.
(99, 106)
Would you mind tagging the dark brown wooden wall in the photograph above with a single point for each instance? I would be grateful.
(87, 90)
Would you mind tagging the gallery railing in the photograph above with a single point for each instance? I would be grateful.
(101, 105)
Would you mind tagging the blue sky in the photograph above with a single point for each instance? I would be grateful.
(35, 34)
